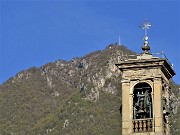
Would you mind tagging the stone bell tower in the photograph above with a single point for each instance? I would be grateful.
(145, 92)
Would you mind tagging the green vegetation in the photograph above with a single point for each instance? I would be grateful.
(84, 117)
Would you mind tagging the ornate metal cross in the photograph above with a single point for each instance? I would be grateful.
(146, 26)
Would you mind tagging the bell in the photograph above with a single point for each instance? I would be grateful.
(140, 111)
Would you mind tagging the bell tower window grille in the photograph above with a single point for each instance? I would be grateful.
(142, 108)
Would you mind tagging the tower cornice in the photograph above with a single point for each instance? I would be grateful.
(161, 63)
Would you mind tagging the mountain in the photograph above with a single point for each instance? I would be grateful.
(77, 97)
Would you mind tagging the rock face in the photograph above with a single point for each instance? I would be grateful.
(78, 97)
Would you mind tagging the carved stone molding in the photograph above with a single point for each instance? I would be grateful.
(139, 73)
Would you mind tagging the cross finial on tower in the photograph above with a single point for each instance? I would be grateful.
(146, 26)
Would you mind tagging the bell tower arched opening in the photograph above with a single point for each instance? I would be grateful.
(142, 108)
(142, 101)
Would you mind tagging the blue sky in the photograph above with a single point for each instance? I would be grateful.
(35, 32)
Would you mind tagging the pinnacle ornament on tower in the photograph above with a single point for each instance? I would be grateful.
(146, 25)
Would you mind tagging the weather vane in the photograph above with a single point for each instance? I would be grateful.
(146, 26)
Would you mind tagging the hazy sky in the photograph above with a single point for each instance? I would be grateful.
(35, 32)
